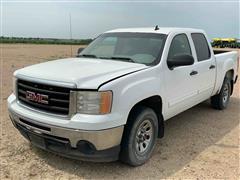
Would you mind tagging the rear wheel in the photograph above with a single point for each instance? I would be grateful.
(221, 100)
(139, 136)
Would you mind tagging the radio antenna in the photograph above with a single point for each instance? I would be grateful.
(70, 31)
(156, 28)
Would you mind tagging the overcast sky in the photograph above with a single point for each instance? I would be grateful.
(51, 19)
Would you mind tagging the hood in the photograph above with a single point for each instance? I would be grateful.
(84, 72)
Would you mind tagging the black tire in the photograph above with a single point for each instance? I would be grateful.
(133, 140)
(221, 100)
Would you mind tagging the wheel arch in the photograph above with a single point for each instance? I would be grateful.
(230, 75)
(155, 103)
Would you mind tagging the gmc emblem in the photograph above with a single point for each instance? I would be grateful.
(36, 97)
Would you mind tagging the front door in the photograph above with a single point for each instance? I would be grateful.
(181, 86)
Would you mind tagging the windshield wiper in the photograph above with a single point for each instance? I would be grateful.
(113, 57)
(119, 58)
(87, 55)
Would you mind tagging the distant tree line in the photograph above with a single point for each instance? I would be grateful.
(24, 40)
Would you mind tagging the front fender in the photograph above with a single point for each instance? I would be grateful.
(131, 89)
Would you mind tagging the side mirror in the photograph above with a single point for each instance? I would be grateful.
(80, 50)
(180, 60)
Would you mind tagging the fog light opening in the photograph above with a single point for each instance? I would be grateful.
(86, 147)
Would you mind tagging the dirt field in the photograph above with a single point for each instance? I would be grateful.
(199, 143)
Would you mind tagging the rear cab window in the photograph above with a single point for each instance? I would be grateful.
(201, 46)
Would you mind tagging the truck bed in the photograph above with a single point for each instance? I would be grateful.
(225, 50)
(225, 59)
(217, 51)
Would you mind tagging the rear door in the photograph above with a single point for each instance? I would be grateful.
(205, 66)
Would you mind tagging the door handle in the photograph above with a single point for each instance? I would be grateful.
(193, 73)
(212, 67)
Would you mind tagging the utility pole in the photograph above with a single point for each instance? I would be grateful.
(70, 30)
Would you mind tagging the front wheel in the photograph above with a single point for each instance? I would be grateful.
(139, 136)
(221, 100)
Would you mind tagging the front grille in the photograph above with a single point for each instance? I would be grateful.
(58, 97)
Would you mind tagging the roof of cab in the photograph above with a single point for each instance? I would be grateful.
(161, 30)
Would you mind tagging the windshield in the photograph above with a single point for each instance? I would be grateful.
(144, 48)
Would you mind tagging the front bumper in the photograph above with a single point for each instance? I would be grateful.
(62, 147)
(90, 145)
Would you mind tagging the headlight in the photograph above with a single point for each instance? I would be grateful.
(89, 102)
(14, 85)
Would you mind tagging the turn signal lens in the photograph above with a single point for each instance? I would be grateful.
(106, 102)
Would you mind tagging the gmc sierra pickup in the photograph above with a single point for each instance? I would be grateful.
(110, 102)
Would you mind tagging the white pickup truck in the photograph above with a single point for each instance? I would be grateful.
(110, 102)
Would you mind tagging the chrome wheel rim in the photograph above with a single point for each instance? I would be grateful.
(144, 137)
(225, 93)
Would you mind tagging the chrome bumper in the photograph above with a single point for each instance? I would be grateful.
(101, 139)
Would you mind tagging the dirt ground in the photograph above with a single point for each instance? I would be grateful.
(199, 143)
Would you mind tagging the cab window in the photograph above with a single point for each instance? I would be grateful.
(179, 46)
(201, 46)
